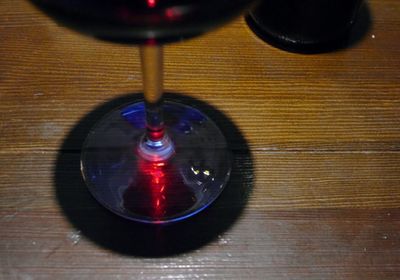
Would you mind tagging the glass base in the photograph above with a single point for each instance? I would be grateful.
(296, 43)
(155, 191)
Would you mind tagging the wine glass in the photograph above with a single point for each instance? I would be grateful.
(312, 26)
(151, 161)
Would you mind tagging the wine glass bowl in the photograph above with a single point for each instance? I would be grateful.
(142, 21)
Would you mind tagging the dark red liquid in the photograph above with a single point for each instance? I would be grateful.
(304, 24)
(143, 20)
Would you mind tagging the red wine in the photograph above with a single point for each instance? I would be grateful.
(304, 25)
(143, 20)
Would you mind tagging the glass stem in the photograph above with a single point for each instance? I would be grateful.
(152, 72)
(156, 144)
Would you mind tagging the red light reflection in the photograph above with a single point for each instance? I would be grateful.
(173, 13)
(155, 171)
(158, 191)
(151, 3)
(155, 135)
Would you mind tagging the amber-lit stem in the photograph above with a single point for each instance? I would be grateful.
(156, 144)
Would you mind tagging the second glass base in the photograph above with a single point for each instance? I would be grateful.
(156, 191)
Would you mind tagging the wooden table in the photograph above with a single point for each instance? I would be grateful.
(315, 192)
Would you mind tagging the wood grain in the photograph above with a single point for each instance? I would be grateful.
(306, 244)
(315, 190)
(345, 100)
(277, 181)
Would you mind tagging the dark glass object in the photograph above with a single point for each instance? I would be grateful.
(141, 20)
(308, 26)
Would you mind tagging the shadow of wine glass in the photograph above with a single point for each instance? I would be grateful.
(130, 238)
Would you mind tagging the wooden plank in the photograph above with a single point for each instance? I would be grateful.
(308, 216)
(346, 100)
(309, 244)
(270, 180)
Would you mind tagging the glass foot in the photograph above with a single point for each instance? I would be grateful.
(163, 191)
